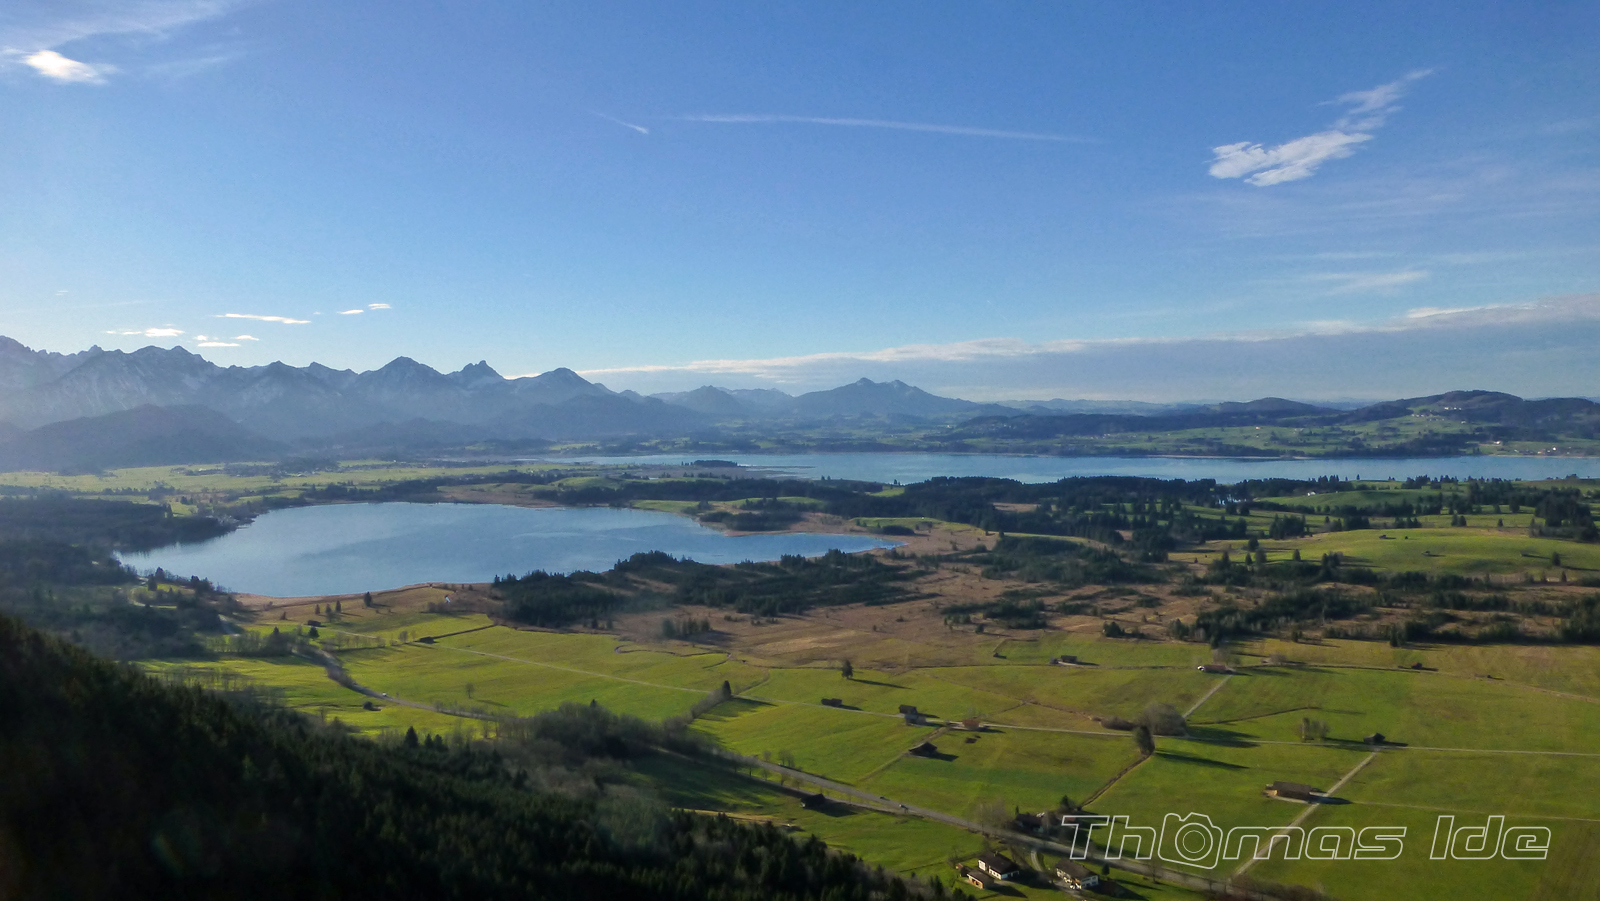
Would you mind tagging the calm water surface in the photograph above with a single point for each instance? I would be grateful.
(347, 548)
(908, 468)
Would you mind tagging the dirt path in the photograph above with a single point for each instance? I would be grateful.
(1310, 809)
(1207, 696)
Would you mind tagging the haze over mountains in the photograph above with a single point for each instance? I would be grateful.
(153, 406)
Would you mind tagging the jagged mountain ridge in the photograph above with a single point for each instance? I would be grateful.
(315, 403)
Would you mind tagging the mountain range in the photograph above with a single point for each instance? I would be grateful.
(100, 408)
(53, 406)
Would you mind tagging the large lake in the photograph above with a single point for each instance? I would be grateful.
(907, 468)
(348, 548)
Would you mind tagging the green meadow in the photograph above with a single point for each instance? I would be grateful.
(1020, 768)
(1462, 551)
(305, 687)
(1417, 708)
(839, 744)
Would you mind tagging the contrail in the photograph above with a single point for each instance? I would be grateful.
(886, 123)
(638, 128)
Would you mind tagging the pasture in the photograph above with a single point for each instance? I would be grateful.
(839, 744)
(1019, 768)
(1422, 709)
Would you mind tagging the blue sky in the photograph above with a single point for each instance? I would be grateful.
(994, 200)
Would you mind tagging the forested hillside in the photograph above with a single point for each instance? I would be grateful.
(120, 786)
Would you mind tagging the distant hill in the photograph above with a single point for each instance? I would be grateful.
(144, 436)
(864, 397)
(1505, 416)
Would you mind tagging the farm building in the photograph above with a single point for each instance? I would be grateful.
(1375, 738)
(926, 749)
(1035, 823)
(833, 702)
(998, 865)
(977, 877)
(1219, 668)
(814, 801)
(1292, 791)
(1075, 875)
(1066, 660)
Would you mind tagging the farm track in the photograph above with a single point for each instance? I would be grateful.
(882, 804)
(1207, 696)
(1311, 808)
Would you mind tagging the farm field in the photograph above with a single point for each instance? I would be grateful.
(1571, 873)
(841, 745)
(1016, 767)
(1574, 669)
(304, 686)
(1462, 551)
(1417, 708)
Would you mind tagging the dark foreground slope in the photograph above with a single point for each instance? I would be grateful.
(116, 785)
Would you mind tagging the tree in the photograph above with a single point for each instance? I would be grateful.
(366, 599)
(471, 689)
(411, 736)
(848, 671)
(1143, 741)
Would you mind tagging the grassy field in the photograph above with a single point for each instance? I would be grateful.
(304, 686)
(1464, 551)
(1573, 669)
(1223, 782)
(1420, 709)
(839, 744)
(1026, 769)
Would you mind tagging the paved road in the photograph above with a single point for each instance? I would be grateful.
(859, 798)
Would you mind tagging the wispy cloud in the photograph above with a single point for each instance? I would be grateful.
(216, 344)
(34, 31)
(638, 128)
(162, 332)
(1314, 359)
(378, 306)
(1361, 282)
(56, 67)
(356, 312)
(283, 319)
(962, 130)
(1302, 157)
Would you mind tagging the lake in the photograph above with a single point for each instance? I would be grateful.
(907, 468)
(348, 548)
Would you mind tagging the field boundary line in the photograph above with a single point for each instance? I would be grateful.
(570, 669)
(1207, 696)
(863, 780)
(1311, 808)
(1112, 781)
(1529, 816)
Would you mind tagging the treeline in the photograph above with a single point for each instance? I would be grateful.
(1097, 508)
(121, 786)
(58, 572)
(111, 525)
(791, 584)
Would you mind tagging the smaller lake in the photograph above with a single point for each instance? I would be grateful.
(349, 548)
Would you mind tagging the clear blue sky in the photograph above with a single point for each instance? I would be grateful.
(815, 189)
